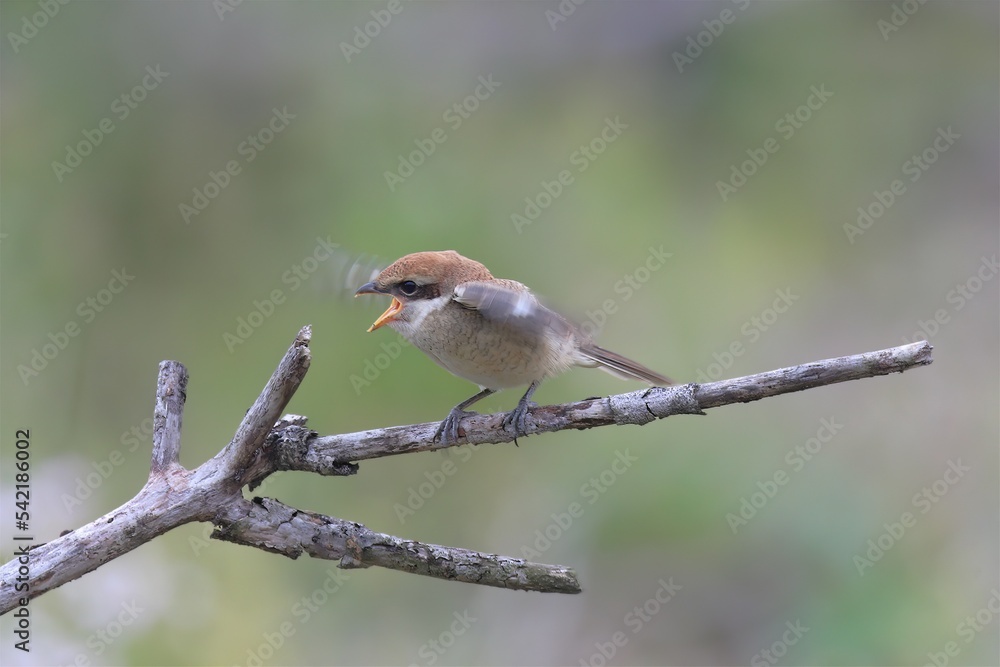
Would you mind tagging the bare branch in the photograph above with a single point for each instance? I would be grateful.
(243, 451)
(171, 392)
(814, 374)
(290, 447)
(637, 407)
(273, 526)
(174, 496)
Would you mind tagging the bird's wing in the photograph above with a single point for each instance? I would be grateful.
(509, 302)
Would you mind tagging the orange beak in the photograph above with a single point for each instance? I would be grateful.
(388, 316)
(390, 313)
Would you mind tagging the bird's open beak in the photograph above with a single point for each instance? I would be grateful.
(390, 313)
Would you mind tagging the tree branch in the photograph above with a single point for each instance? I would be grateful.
(273, 526)
(317, 454)
(263, 445)
(171, 392)
(241, 455)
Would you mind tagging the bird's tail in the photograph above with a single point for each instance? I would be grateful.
(620, 367)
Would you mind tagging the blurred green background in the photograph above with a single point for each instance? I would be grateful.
(697, 90)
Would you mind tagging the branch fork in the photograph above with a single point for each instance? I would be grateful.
(264, 444)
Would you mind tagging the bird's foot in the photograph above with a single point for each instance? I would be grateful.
(447, 432)
(517, 419)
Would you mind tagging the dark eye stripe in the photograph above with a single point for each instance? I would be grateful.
(431, 291)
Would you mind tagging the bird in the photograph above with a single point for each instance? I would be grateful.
(491, 331)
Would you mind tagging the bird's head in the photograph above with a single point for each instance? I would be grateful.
(421, 282)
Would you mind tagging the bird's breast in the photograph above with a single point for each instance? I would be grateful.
(490, 354)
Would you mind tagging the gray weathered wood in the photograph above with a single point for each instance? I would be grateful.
(264, 444)
(171, 392)
(273, 526)
(320, 454)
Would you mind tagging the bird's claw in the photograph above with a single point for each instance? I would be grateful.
(447, 432)
(517, 419)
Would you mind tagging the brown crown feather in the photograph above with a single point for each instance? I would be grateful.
(439, 267)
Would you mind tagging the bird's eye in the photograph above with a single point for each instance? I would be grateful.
(408, 287)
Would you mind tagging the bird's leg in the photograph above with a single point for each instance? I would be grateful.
(518, 417)
(448, 430)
